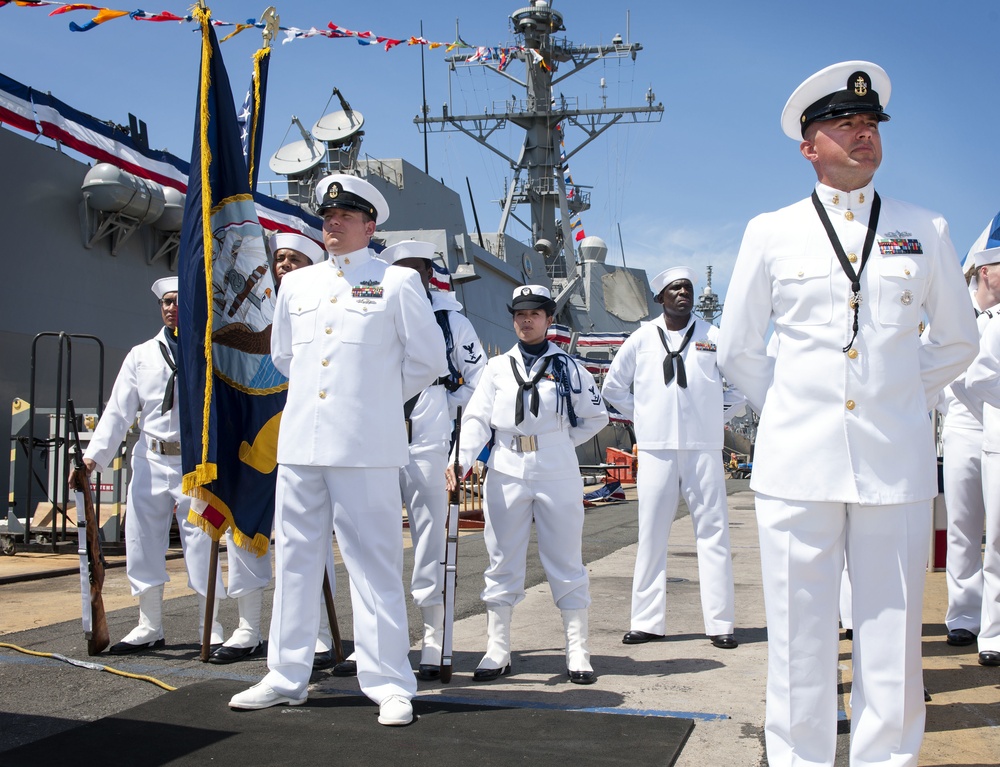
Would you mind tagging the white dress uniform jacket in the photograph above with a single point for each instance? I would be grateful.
(864, 416)
(669, 417)
(493, 405)
(326, 322)
(433, 416)
(139, 388)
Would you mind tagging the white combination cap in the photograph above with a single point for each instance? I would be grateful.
(343, 191)
(847, 88)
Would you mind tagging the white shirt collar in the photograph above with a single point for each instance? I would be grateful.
(835, 199)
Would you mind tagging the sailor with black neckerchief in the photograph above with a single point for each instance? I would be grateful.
(665, 379)
(146, 385)
(356, 338)
(845, 455)
(541, 404)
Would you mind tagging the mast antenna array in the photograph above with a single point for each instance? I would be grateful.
(539, 170)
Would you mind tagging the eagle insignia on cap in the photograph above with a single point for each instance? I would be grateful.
(861, 85)
(525, 291)
(334, 190)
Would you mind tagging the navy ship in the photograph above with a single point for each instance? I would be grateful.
(92, 237)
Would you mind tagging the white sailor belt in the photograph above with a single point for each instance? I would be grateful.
(160, 447)
(526, 443)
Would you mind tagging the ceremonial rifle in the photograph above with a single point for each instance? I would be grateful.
(95, 623)
(451, 560)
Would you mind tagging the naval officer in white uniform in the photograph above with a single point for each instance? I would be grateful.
(845, 454)
(248, 573)
(145, 385)
(356, 338)
(541, 404)
(431, 421)
(665, 379)
(981, 384)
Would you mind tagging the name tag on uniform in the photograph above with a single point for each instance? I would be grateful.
(899, 244)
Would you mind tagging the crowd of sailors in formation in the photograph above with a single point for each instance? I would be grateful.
(827, 353)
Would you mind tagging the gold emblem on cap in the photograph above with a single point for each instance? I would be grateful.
(333, 191)
(525, 291)
(861, 86)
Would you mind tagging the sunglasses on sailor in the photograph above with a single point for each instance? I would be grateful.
(168, 302)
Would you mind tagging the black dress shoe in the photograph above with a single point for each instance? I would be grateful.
(124, 648)
(582, 677)
(724, 641)
(989, 658)
(346, 668)
(639, 637)
(489, 674)
(232, 654)
(428, 672)
(960, 637)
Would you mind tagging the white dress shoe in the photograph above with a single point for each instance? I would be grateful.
(262, 696)
(395, 711)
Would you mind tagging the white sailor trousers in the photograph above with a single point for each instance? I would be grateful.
(247, 571)
(665, 475)
(556, 505)
(154, 488)
(363, 506)
(802, 546)
(989, 631)
(423, 488)
(963, 494)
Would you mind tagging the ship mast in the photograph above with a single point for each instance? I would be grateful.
(708, 307)
(539, 169)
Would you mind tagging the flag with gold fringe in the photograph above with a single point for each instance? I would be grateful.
(231, 395)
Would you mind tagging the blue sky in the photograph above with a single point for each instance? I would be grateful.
(682, 190)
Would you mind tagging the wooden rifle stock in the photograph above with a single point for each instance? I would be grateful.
(451, 560)
(95, 623)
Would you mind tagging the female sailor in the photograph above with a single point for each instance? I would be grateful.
(541, 403)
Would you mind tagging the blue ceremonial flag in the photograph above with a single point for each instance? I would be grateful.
(251, 115)
(231, 396)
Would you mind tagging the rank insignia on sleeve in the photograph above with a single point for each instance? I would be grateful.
(704, 346)
(595, 396)
(899, 244)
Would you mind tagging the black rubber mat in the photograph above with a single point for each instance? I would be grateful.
(194, 726)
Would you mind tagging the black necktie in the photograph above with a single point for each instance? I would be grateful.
(527, 386)
(168, 395)
(668, 361)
